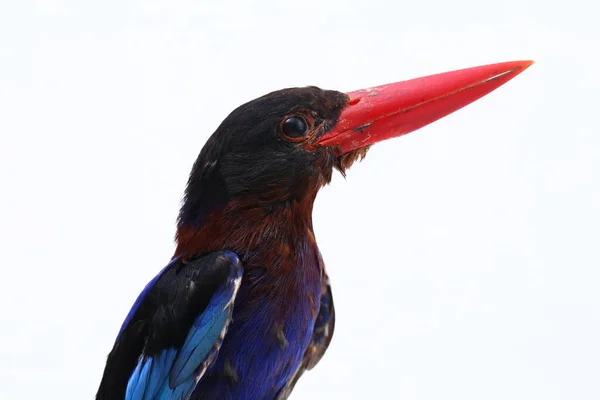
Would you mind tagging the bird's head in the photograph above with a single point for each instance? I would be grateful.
(268, 150)
(279, 149)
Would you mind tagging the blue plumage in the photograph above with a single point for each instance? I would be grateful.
(173, 373)
(208, 330)
(178, 321)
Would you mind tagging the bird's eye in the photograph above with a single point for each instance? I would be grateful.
(294, 127)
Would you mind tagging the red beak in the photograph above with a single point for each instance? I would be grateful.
(383, 112)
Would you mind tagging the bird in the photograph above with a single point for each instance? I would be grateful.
(244, 307)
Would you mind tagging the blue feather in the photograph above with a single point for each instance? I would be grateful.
(202, 337)
(137, 382)
(160, 369)
(148, 381)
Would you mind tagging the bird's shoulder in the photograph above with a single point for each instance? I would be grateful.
(176, 325)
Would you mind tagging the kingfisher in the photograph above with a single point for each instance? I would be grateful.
(245, 307)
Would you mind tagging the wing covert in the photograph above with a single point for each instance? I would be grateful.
(174, 330)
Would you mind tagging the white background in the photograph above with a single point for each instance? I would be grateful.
(464, 257)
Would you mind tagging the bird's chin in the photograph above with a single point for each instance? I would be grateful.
(327, 159)
(346, 160)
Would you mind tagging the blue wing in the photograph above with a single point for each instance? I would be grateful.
(174, 330)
